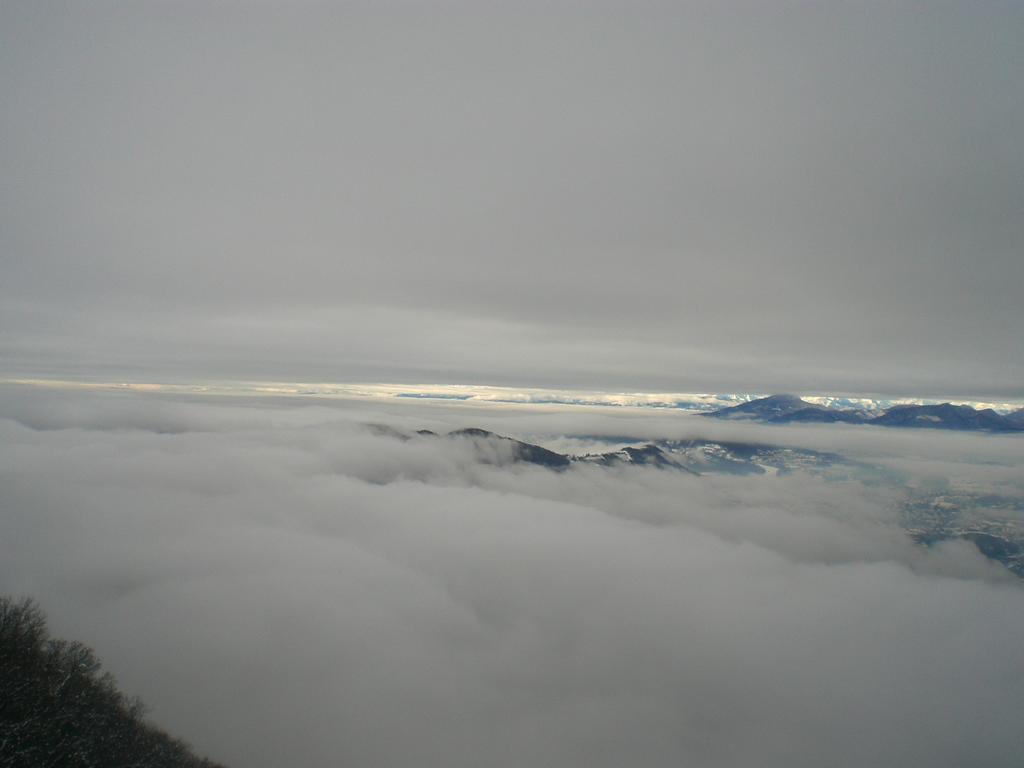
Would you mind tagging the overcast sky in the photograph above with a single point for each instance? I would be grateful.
(652, 196)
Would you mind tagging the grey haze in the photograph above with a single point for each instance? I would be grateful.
(655, 196)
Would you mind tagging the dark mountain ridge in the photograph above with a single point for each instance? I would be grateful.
(788, 409)
(696, 456)
(520, 451)
(767, 408)
(945, 416)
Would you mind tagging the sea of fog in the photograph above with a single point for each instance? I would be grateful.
(284, 585)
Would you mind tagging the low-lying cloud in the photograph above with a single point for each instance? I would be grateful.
(285, 586)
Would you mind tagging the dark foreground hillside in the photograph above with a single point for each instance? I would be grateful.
(58, 709)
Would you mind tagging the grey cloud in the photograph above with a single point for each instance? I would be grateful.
(284, 585)
(734, 197)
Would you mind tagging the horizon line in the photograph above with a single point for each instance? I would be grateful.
(493, 394)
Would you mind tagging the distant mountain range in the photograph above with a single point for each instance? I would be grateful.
(695, 457)
(789, 409)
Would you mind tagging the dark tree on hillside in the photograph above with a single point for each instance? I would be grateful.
(59, 710)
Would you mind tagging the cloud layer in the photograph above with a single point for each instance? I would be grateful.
(666, 197)
(285, 586)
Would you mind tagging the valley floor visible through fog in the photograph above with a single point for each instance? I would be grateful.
(310, 582)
